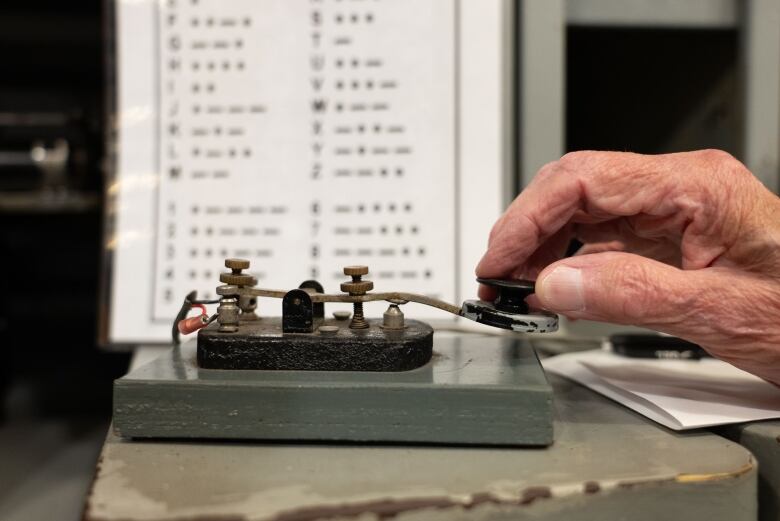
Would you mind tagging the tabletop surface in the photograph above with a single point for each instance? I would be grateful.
(604, 457)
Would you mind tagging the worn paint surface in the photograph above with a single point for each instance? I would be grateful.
(606, 463)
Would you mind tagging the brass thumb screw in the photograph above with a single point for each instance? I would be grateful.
(357, 287)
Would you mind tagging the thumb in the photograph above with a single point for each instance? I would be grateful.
(616, 287)
(731, 313)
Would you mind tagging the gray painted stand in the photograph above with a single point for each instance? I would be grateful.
(763, 440)
(471, 382)
(606, 463)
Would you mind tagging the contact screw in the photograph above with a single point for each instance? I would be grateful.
(357, 287)
(358, 320)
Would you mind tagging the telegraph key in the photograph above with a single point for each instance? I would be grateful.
(305, 375)
(303, 338)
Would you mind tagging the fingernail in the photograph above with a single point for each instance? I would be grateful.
(561, 290)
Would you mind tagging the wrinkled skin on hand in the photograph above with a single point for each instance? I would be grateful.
(687, 244)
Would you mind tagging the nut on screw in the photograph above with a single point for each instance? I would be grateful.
(357, 287)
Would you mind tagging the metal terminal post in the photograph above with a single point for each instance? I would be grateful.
(227, 315)
(393, 318)
(228, 310)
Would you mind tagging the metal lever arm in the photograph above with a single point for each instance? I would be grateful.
(369, 297)
(496, 315)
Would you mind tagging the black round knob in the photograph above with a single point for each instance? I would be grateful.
(511, 294)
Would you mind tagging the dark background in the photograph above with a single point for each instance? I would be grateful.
(652, 90)
(51, 87)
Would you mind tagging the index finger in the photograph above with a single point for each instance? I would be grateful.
(583, 186)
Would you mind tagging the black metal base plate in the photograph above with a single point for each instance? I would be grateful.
(261, 344)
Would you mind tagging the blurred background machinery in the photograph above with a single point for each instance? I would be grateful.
(649, 77)
(51, 144)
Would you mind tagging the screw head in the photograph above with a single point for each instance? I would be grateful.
(328, 330)
(237, 264)
(341, 315)
(355, 270)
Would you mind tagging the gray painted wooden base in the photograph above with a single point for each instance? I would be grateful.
(476, 390)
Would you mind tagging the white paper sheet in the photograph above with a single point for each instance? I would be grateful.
(303, 136)
(679, 394)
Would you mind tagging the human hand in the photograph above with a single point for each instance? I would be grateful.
(687, 244)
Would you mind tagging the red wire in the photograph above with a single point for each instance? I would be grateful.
(201, 307)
